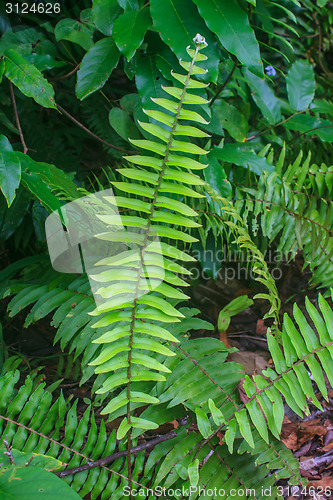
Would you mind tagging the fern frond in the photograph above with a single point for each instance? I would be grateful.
(31, 421)
(149, 270)
(69, 300)
(219, 470)
(289, 208)
(298, 353)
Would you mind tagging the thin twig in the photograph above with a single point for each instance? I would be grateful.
(307, 131)
(9, 452)
(79, 124)
(222, 87)
(73, 451)
(115, 456)
(319, 48)
(25, 149)
(273, 126)
(57, 78)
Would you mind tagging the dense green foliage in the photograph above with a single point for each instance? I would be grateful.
(221, 142)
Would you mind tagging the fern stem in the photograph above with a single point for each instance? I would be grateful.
(140, 268)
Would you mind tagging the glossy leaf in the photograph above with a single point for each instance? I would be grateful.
(129, 30)
(216, 177)
(129, 4)
(33, 483)
(54, 178)
(104, 12)
(123, 124)
(39, 189)
(96, 67)
(74, 31)
(230, 23)
(231, 119)
(28, 79)
(177, 23)
(300, 85)
(232, 153)
(146, 77)
(264, 97)
(10, 175)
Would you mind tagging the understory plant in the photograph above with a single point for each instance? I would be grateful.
(133, 334)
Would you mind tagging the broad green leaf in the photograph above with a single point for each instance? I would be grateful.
(20, 38)
(96, 67)
(74, 31)
(300, 85)
(233, 153)
(104, 12)
(322, 106)
(230, 23)
(129, 30)
(178, 23)
(148, 81)
(32, 483)
(54, 178)
(122, 124)
(10, 175)
(38, 188)
(231, 119)
(28, 79)
(215, 176)
(13, 216)
(5, 145)
(264, 97)
(129, 4)
(43, 61)
(128, 102)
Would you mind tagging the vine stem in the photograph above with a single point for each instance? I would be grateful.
(224, 84)
(25, 149)
(79, 124)
(115, 456)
